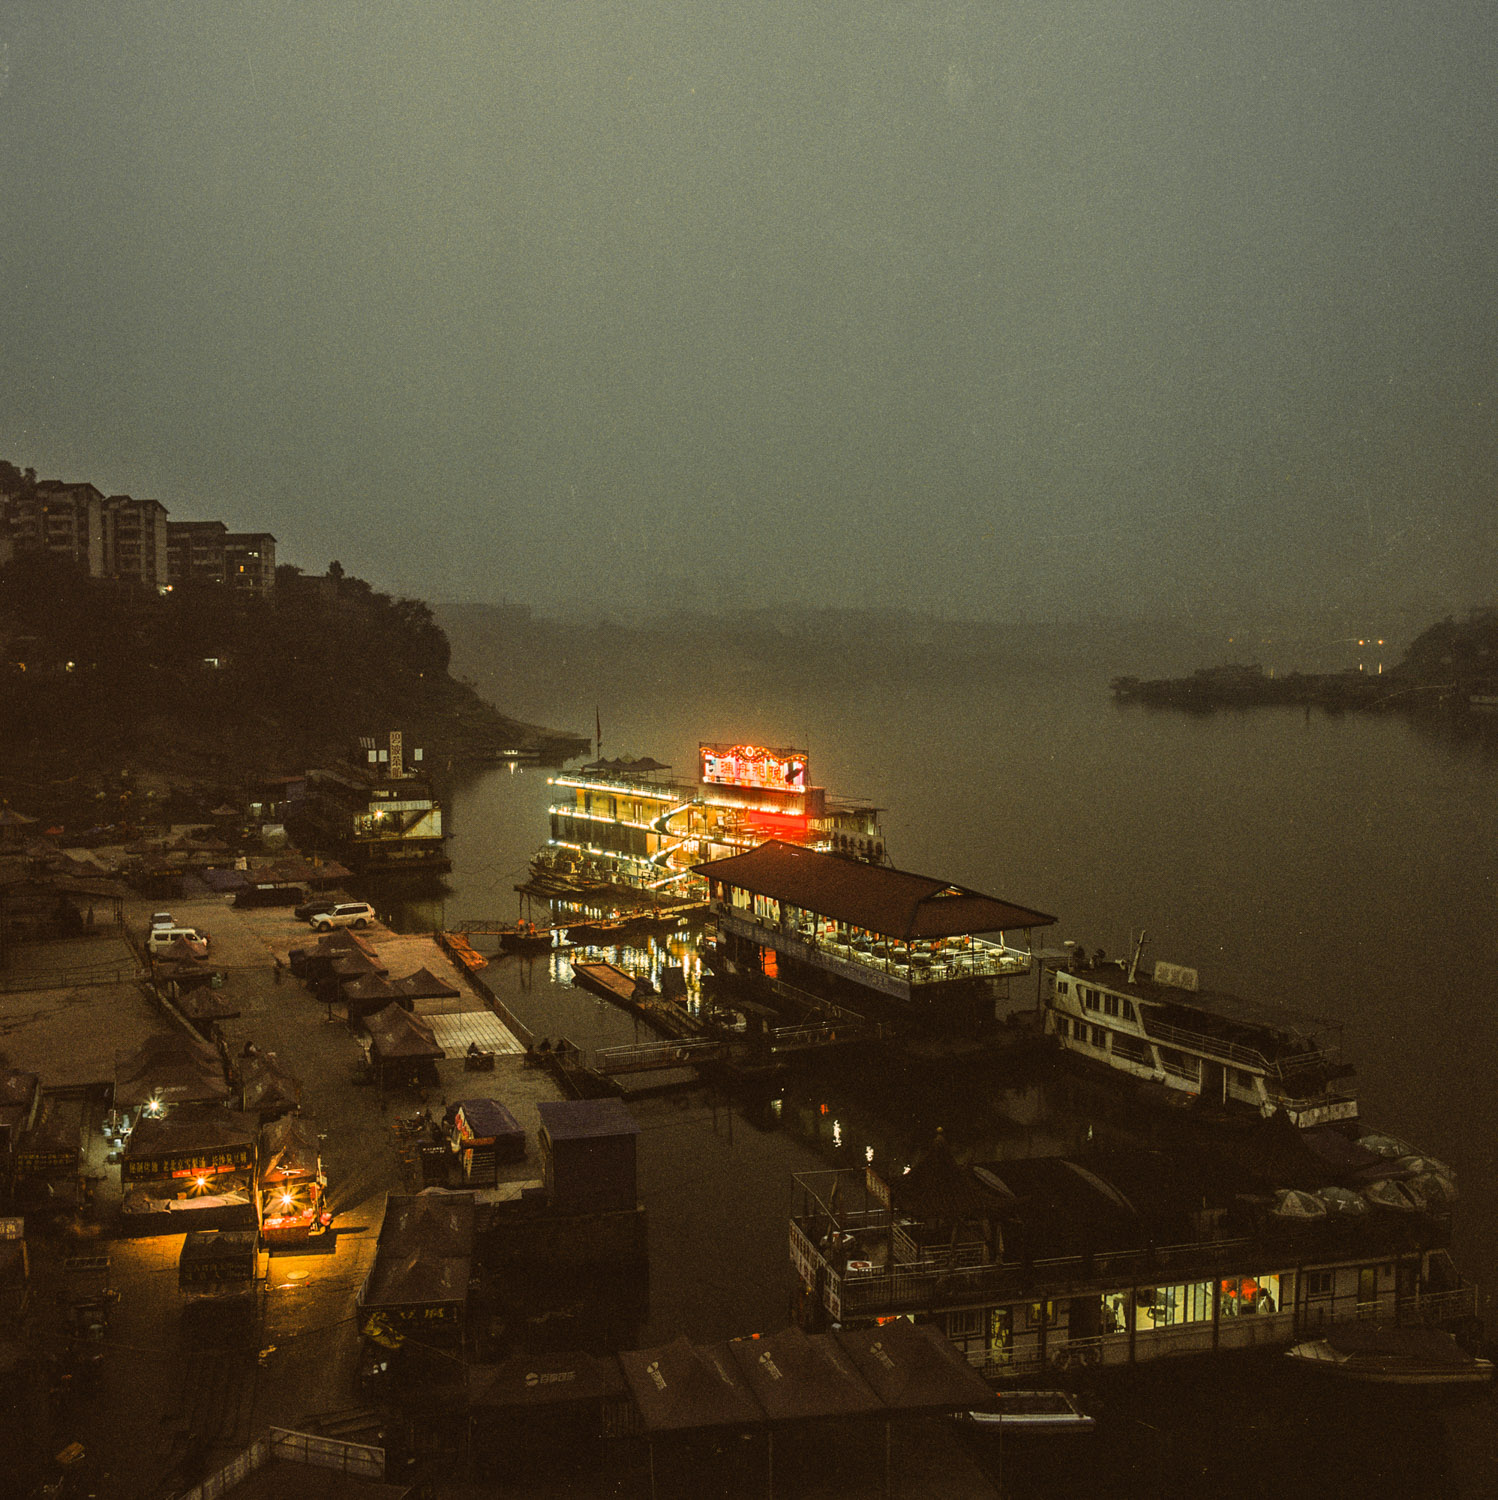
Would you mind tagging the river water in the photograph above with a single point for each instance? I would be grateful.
(1342, 864)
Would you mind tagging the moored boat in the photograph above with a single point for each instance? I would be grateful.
(1203, 1047)
(1370, 1354)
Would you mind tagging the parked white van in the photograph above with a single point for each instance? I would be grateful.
(159, 939)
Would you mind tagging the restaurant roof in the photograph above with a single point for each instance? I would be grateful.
(893, 903)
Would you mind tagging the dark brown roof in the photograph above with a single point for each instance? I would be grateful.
(893, 903)
(397, 1033)
(912, 1367)
(800, 1377)
(681, 1386)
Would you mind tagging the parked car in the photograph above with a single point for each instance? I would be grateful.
(315, 907)
(162, 919)
(161, 938)
(345, 914)
(268, 895)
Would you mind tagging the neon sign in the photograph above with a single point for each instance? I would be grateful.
(752, 765)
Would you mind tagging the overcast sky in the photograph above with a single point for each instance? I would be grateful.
(992, 308)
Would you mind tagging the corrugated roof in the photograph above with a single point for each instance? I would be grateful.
(893, 903)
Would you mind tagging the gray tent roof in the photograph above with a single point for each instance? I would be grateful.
(798, 1377)
(681, 1386)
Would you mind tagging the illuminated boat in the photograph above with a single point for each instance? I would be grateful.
(631, 832)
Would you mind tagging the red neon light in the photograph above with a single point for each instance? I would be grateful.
(752, 765)
(778, 822)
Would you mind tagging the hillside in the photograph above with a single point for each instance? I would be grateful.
(206, 686)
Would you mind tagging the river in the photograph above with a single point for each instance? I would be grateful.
(1341, 864)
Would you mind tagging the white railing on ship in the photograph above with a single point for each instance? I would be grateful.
(1249, 1057)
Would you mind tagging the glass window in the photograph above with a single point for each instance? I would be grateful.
(1253, 1294)
(1128, 1011)
(1168, 1306)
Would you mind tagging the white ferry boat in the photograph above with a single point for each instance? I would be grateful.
(1200, 1046)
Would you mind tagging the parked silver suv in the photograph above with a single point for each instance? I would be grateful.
(345, 914)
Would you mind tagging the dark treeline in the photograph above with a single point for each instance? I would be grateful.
(219, 682)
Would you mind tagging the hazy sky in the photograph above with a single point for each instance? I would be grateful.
(988, 307)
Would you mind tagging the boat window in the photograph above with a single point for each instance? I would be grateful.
(1100, 1038)
(1089, 999)
(1252, 1294)
(1129, 1012)
(1061, 987)
(964, 1322)
(1167, 1306)
(1110, 1005)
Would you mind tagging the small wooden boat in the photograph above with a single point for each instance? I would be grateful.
(464, 952)
(1373, 1355)
(612, 982)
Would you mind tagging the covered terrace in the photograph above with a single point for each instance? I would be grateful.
(886, 929)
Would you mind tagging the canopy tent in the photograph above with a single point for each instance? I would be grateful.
(422, 1263)
(169, 1067)
(370, 992)
(799, 1377)
(939, 1188)
(529, 1382)
(425, 985)
(266, 1088)
(399, 1039)
(681, 1387)
(289, 1149)
(913, 1368)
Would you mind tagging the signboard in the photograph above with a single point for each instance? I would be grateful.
(1177, 976)
(34, 1163)
(752, 765)
(189, 1163)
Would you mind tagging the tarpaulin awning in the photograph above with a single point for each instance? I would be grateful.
(893, 903)
(544, 1380)
(913, 1367)
(424, 985)
(396, 1033)
(289, 1149)
(681, 1386)
(799, 1377)
(170, 1066)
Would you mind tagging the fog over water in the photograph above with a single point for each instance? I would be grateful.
(1339, 864)
(997, 309)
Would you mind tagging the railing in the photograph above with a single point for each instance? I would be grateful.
(642, 1056)
(1234, 1052)
(982, 960)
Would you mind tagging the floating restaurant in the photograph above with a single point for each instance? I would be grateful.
(859, 932)
(630, 824)
(1118, 1259)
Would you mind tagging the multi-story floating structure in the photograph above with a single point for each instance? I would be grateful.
(1119, 1259)
(630, 825)
(377, 812)
(1199, 1046)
